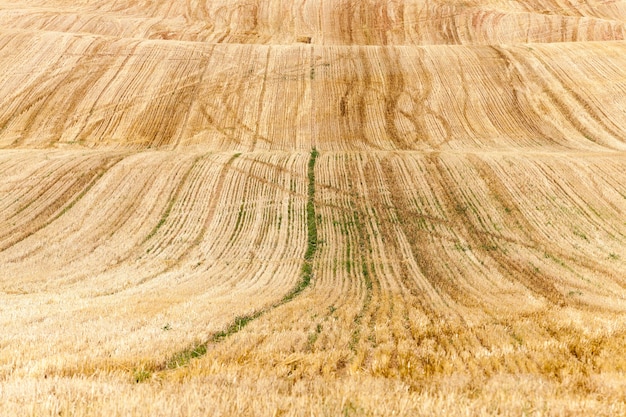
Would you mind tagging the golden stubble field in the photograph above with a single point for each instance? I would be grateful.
(255, 207)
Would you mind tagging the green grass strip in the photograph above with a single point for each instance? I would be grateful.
(306, 274)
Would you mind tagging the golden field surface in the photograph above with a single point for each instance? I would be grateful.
(328, 208)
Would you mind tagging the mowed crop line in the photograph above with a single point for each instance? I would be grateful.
(29, 193)
(405, 324)
(595, 216)
(306, 275)
(55, 199)
(167, 242)
(68, 254)
(169, 239)
(260, 97)
(200, 263)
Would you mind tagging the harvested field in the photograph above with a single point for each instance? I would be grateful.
(259, 207)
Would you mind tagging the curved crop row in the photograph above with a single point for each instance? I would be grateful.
(255, 97)
(223, 250)
(421, 277)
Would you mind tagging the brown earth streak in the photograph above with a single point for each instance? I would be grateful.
(169, 244)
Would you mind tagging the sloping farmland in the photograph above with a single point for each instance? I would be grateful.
(258, 207)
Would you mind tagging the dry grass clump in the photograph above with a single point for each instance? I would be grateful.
(506, 395)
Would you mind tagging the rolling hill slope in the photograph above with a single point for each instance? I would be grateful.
(329, 208)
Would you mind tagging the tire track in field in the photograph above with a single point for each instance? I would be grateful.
(396, 291)
(121, 66)
(47, 100)
(573, 109)
(527, 116)
(531, 234)
(420, 101)
(420, 239)
(395, 85)
(535, 281)
(194, 95)
(430, 300)
(259, 109)
(348, 124)
(582, 103)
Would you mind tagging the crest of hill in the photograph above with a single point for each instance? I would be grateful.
(279, 75)
(340, 22)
